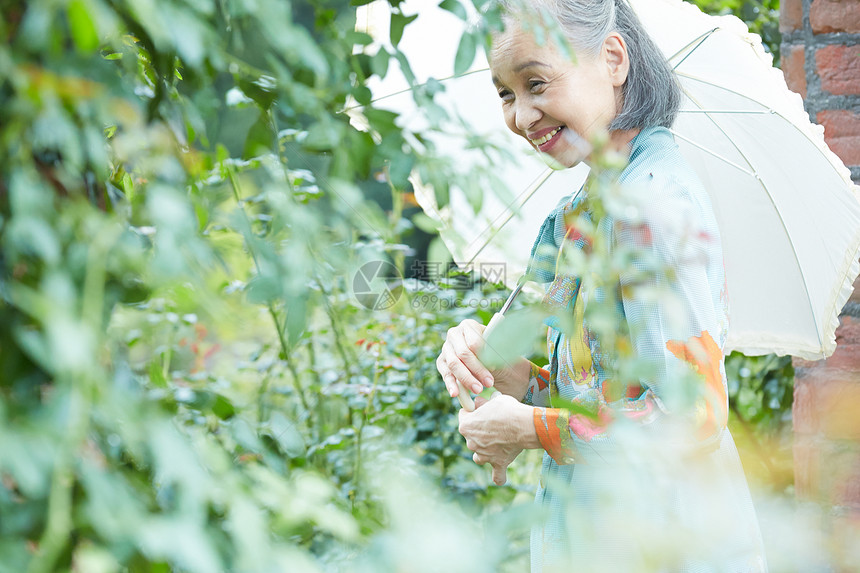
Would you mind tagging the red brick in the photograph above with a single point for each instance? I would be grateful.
(842, 133)
(840, 479)
(807, 368)
(793, 62)
(848, 331)
(790, 15)
(837, 404)
(846, 358)
(804, 410)
(806, 470)
(826, 375)
(839, 68)
(828, 405)
(828, 16)
(855, 296)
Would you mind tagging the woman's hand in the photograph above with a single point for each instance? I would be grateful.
(458, 361)
(497, 431)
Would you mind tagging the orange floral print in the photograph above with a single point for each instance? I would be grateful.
(551, 425)
(705, 356)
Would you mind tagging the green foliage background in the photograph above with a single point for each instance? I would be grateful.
(762, 18)
(188, 382)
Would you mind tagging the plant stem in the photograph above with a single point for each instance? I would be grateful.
(261, 398)
(285, 349)
(297, 384)
(365, 415)
(168, 355)
(357, 470)
(80, 388)
(59, 521)
(338, 339)
(394, 220)
(337, 331)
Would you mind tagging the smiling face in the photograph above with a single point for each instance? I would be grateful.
(557, 105)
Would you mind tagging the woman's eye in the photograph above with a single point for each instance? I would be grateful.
(505, 95)
(536, 85)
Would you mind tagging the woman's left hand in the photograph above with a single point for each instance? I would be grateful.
(497, 431)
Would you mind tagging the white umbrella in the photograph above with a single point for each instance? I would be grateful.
(788, 212)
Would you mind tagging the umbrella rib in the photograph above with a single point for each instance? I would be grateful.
(804, 134)
(717, 155)
(725, 111)
(724, 88)
(776, 210)
(539, 181)
(769, 111)
(411, 89)
(701, 39)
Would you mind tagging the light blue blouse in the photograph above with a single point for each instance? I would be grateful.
(612, 506)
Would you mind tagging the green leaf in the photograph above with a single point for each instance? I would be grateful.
(437, 253)
(379, 63)
(359, 38)
(454, 7)
(259, 139)
(399, 170)
(398, 24)
(473, 190)
(362, 95)
(364, 62)
(513, 337)
(156, 374)
(82, 27)
(287, 436)
(262, 91)
(433, 86)
(426, 224)
(263, 289)
(381, 120)
(405, 67)
(465, 53)
(223, 408)
(297, 318)
(323, 136)
(574, 408)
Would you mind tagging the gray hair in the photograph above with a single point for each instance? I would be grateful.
(652, 94)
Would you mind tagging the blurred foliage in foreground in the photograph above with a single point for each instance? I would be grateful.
(188, 383)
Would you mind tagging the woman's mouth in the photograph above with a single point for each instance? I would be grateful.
(548, 141)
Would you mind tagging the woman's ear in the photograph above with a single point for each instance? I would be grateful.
(616, 57)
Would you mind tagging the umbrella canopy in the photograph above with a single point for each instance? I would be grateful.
(788, 212)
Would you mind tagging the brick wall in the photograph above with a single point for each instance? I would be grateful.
(821, 61)
(827, 437)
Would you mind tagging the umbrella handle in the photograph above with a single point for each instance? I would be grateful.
(464, 395)
(465, 398)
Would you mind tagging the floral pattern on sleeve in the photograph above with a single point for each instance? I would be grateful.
(538, 388)
(705, 356)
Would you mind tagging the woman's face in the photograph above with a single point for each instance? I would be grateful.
(556, 104)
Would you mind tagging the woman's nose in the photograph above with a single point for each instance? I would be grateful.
(526, 116)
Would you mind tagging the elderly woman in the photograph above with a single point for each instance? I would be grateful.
(604, 508)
